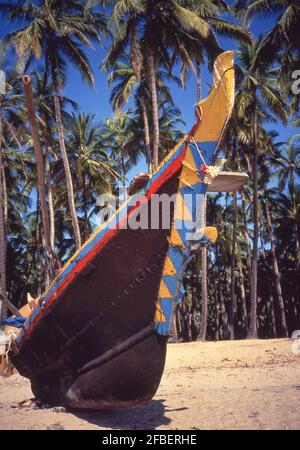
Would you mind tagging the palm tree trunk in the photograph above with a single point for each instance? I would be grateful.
(203, 250)
(5, 201)
(243, 298)
(178, 316)
(50, 204)
(174, 325)
(248, 251)
(3, 242)
(39, 163)
(69, 182)
(232, 275)
(204, 290)
(48, 141)
(252, 334)
(136, 62)
(272, 313)
(123, 165)
(85, 210)
(189, 326)
(276, 272)
(147, 135)
(294, 302)
(37, 247)
(153, 91)
(246, 228)
(198, 77)
(297, 229)
(217, 319)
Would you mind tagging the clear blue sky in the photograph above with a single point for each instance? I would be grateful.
(97, 100)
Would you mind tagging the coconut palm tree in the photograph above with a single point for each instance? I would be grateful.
(289, 225)
(10, 122)
(260, 98)
(287, 171)
(91, 166)
(56, 31)
(44, 103)
(41, 178)
(295, 124)
(163, 29)
(287, 166)
(283, 39)
(268, 205)
(118, 137)
(126, 83)
(209, 12)
(237, 141)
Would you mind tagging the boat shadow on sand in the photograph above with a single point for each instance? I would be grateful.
(147, 417)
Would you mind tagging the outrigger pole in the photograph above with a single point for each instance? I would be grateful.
(10, 306)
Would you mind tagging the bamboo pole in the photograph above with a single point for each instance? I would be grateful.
(10, 306)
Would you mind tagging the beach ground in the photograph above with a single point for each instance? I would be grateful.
(212, 385)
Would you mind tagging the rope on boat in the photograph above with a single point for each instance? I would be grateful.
(185, 164)
(198, 149)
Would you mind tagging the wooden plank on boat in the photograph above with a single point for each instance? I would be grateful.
(228, 182)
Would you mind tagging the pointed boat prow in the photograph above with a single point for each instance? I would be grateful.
(97, 337)
(213, 112)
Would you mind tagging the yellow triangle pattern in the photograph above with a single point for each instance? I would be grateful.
(164, 291)
(159, 315)
(169, 268)
(175, 238)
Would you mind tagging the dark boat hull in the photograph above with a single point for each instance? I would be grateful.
(106, 307)
(98, 337)
(129, 379)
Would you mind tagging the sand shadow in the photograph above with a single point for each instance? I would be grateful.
(143, 418)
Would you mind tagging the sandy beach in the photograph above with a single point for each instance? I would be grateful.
(212, 385)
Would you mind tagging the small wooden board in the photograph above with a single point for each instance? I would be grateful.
(228, 182)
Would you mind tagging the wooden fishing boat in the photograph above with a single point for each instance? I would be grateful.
(97, 338)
